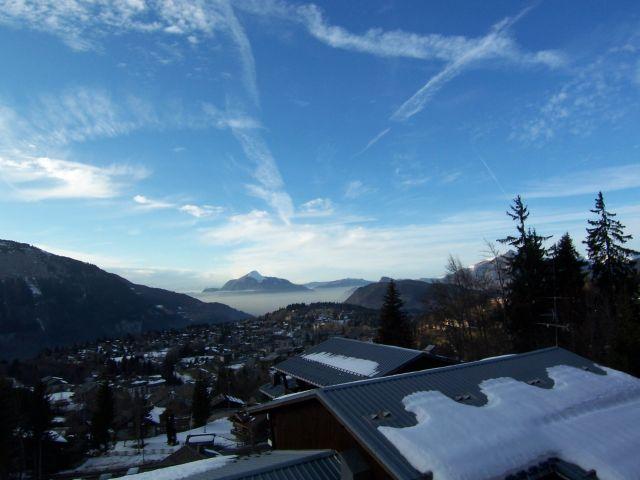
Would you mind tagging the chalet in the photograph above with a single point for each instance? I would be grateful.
(546, 414)
(341, 360)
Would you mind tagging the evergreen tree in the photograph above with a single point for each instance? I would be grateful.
(8, 422)
(103, 416)
(568, 284)
(200, 403)
(616, 310)
(140, 419)
(611, 260)
(527, 302)
(170, 427)
(395, 327)
(39, 420)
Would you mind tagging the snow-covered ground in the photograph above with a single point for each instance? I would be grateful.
(587, 419)
(359, 366)
(125, 454)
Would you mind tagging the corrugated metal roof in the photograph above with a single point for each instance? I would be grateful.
(354, 404)
(388, 358)
(279, 465)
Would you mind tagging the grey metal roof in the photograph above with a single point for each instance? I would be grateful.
(278, 465)
(389, 359)
(354, 403)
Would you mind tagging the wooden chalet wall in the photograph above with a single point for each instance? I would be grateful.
(309, 425)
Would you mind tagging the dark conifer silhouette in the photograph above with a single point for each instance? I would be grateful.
(605, 241)
(102, 417)
(170, 427)
(200, 404)
(527, 302)
(395, 327)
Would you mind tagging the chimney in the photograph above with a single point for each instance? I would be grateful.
(354, 466)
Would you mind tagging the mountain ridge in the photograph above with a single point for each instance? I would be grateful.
(48, 300)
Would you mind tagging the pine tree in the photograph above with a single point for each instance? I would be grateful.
(611, 260)
(102, 417)
(395, 327)
(616, 312)
(170, 427)
(39, 420)
(527, 302)
(8, 422)
(200, 403)
(568, 284)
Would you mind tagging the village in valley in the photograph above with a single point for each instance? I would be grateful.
(153, 375)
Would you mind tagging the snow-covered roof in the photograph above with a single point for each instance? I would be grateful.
(340, 360)
(492, 418)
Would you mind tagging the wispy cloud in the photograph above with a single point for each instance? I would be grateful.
(83, 24)
(373, 141)
(201, 211)
(589, 182)
(497, 44)
(318, 207)
(146, 203)
(356, 188)
(247, 131)
(198, 211)
(458, 52)
(595, 95)
(39, 178)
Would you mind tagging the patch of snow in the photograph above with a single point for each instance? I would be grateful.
(35, 291)
(56, 437)
(178, 472)
(61, 396)
(586, 419)
(359, 366)
(154, 414)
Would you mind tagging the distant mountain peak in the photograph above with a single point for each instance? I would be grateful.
(255, 282)
(255, 275)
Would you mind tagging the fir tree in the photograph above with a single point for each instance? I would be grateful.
(616, 311)
(8, 422)
(170, 427)
(102, 417)
(39, 420)
(200, 403)
(568, 284)
(395, 327)
(527, 302)
(611, 260)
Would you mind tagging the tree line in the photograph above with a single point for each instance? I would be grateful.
(535, 295)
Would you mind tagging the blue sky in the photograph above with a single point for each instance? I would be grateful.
(181, 143)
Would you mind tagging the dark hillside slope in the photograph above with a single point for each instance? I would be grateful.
(416, 294)
(48, 300)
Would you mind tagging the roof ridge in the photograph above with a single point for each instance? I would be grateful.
(381, 345)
